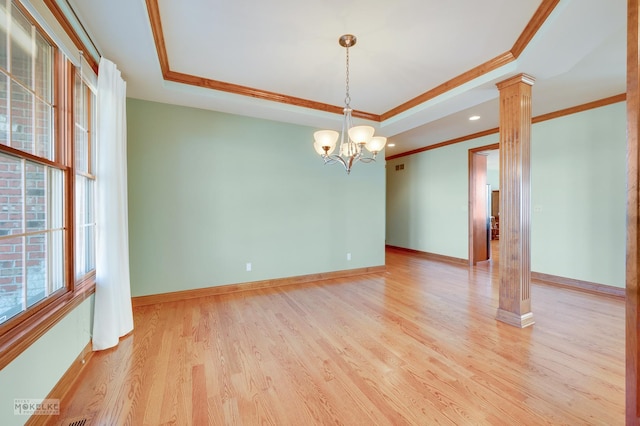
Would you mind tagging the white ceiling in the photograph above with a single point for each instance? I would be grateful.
(404, 49)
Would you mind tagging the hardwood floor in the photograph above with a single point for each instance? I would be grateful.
(417, 345)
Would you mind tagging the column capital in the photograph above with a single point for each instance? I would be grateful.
(520, 78)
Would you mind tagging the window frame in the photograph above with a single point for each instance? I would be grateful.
(19, 332)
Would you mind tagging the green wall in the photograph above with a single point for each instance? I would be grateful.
(578, 196)
(37, 370)
(578, 183)
(210, 192)
(493, 179)
(428, 201)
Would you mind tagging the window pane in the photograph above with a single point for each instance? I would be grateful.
(92, 134)
(91, 248)
(11, 197)
(4, 109)
(36, 256)
(85, 229)
(21, 118)
(85, 250)
(91, 188)
(21, 64)
(80, 252)
(36, 211)
(56, 258)
(44, 53)
(4, 24)
(56, 200)
(80, 218)
(81, 201)
(82, 150)
(11, 279)
(90, 229)
(78, 102)
(44, 141)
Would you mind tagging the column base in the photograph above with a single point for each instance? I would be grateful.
(521, 321)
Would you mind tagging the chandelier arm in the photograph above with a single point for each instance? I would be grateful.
(367, 160)
(332, 159)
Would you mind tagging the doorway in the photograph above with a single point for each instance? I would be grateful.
(484, 203)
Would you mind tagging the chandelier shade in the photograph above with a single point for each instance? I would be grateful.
(353, 139)
(376, 144)
(361, 134)
(325, 140)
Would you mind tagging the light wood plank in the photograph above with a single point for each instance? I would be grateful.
(417, 344)
(253, 285)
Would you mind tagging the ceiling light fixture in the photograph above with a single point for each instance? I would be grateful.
(353, 139)
(474, 118)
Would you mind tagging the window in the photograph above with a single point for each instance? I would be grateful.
(85, 163)
(31, 188)
(47, 183)
(31, 234)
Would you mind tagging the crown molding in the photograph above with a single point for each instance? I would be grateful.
(534, 24)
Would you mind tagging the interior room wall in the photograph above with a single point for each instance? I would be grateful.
(34, 373)
(578, 196)
(211, 192)
(428, 200)
(493, 169)
(578, 186)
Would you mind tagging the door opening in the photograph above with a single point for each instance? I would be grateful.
(484, 214)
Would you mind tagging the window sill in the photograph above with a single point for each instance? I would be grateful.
(17, 339)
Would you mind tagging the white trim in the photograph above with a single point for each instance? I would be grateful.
(72, 54)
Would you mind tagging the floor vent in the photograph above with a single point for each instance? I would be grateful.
(78, 422)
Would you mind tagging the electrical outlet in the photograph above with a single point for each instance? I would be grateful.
(248, 266)
(348, 256)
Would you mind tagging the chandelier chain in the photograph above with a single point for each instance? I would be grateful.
(347, 99)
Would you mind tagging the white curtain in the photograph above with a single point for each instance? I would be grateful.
(113, 315)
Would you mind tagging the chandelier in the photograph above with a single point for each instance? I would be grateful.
(353, 139)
